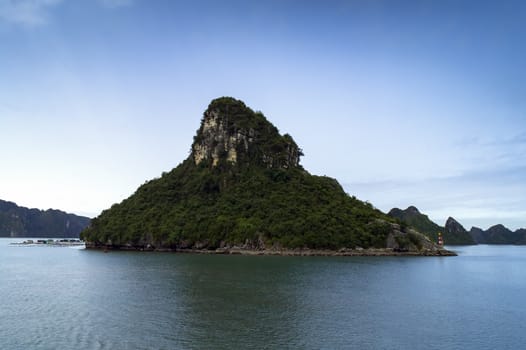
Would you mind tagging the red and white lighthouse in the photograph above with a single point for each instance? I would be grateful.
(440, 239)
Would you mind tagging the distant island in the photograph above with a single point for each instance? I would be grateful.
(242, 190)
(454, 233)
(18, 221)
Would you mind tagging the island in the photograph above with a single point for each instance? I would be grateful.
(242, 190)
(17, 221)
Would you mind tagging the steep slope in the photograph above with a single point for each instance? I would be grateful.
(18, 221)
(455, 233)
(243, 186)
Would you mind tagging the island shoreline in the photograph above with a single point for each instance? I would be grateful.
(278, 252)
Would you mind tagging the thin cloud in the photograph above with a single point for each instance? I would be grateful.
(26, 12)
(34, 13)
(505, 140)
(509, 140)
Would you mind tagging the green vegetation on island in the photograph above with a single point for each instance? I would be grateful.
(243, 186)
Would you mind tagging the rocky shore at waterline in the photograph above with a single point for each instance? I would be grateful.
(280, 252)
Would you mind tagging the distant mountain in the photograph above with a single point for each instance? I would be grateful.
(453, 233)
(522, 236)
(478, 234)
(498, 234)
(18, 221)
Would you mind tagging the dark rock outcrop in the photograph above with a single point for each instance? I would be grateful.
(454, 229)
(231, 133)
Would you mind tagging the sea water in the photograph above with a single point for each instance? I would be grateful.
(69, 298)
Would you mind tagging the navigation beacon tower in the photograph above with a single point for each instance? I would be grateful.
(440, 239)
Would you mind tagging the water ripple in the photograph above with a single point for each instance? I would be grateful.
(77, 299)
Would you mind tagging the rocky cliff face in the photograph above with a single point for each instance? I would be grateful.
(232, 133)
(454, 227)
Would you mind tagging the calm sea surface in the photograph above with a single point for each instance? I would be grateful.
(67, 298)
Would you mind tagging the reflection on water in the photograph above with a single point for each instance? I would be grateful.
(67, 298)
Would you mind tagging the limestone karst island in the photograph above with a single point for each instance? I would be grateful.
(242, 190)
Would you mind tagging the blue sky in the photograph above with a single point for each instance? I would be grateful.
(404, 102)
